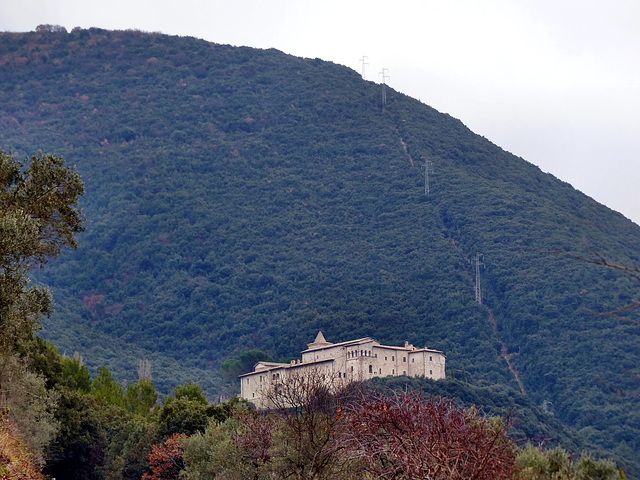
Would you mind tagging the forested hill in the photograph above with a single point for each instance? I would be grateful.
(245, 199)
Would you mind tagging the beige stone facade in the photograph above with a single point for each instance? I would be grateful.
(355, 360)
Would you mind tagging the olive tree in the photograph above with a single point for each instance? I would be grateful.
(38, 217)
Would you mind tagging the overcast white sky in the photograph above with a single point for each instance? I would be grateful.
(556, 82)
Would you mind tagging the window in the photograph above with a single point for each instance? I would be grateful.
(253, 394)
(370, 368)
(430, 372)
(260, 378)
(385, 359)
(380, 371)
(431, 359)
(393, 372)
(247, 381)
(404, 372)
(413, 360)
(352, 369)
(393, 358)
(404, 359)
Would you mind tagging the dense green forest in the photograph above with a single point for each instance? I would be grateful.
(241, 199)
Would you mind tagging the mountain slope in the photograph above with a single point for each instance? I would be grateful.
(241, 198)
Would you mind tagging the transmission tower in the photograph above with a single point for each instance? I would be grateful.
(364, 62)
(384, 75)
(428, 167)
(479, 263)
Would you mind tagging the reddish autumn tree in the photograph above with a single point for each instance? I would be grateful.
(166, 459)
(407, 437)
(253, 439)
(307, 414)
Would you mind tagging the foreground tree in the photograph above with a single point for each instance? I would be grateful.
(38, 217)
(627, 312)
(166, 460)
(316, 429)
(308, 413)
(103, 435)
(407, 437)
(16, 461)
(295, 438)
(186, 412)
(238, 447)
(632, 271)
(536, 464)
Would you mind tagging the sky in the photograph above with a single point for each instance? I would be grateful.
(556, 82)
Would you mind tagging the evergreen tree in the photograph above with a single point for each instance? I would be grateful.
(38, 217)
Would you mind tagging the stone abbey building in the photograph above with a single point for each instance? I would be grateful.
(355, 360)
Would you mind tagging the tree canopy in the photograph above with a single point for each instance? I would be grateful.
(38, 216)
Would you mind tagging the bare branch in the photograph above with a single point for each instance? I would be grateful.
(632, 271)
(617, 313)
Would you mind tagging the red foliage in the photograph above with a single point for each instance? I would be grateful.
(166, 459)
(92, 300)
(253, 438)
(410, 438)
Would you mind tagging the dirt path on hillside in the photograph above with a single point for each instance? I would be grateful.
(503, 351)
(404, 147)
(494, 326)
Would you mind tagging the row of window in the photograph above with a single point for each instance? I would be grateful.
(276, 376)
(363, 353)
(393, 358)
(340, 375)
(366, 353)
(393, 372)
